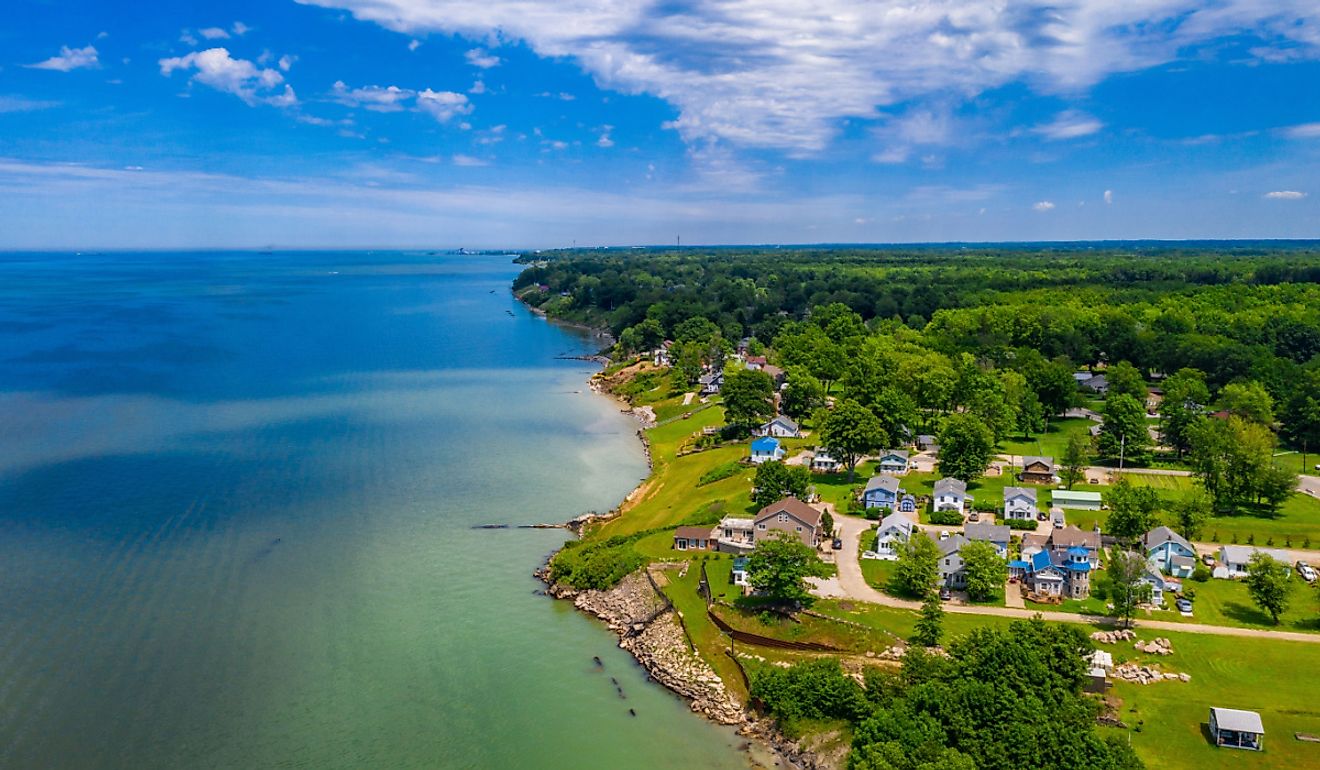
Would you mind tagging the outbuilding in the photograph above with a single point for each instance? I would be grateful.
(1236, 729)
(1077, 501)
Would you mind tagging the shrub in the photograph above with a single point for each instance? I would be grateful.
(1189, 593)
(814, 690)
(946, 518)
(1201, 574)
(1020, 524)
(719, 473)
(1251, 539)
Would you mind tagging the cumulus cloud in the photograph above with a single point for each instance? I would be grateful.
(443, 105)
(213, 33)
(216, 69)
(240, 28)
(605, 140)
(478, 57)
(467, 160)
(70, 59)
(1109, 196)
(1285, 195)
(1069, 124)
(374, 98)
(1044, 206)
(783, 73)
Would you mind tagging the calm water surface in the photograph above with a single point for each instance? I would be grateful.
(236, 500)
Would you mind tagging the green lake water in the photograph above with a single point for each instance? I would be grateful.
(237, 499)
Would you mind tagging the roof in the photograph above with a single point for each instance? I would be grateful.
(766, 444)
(795, 508)
(1018, 564)
(1078, 496)
(784, 420)
(1161, 535)
(1238, 720)
(740, 564)
(736, 522)
(985, 531)
(951, 544)
(925, 438)
(1241, 554)
(1027, 492)
(1070, 536)
(950, 486)
(1047, 461)
(1077, 550)
(887, 483)
(693, 533)
(903, 453)
(774, 371)
(756, 360)
(1041, 560)
(898, 521)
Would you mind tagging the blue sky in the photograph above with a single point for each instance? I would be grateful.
(529, 123)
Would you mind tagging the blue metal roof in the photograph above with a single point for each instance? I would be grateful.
(740, 563)
(766, 444)
(1078, 566)
(1018, 564)
(1077, 550)
(1040, 561)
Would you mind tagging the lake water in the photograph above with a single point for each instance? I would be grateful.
(237, 494)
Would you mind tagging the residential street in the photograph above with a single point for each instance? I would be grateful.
(851, 585)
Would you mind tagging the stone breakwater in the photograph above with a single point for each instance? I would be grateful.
(648, 628)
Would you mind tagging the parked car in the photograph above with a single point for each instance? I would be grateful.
(946, 594)
(1306, 571)
(1184, 605)
(837, 544)
(1208, 559)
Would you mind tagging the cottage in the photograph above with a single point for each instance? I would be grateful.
(950, 495)
(766, 449)
(927, 443)
(1077, 501)
(789, 515)
(1065, 576)
(1158, 585)
(755, 363)
(894, 530)
(952, 574)
(985, 532)
(1020, 504)
(1169, 552)
(907, 504)
(710, 383)
(780, 427)
(660, 356)
(1038, 470)
(823, 462)
(735, 535)
(1096, 383)
(893, 461)
(881, 492)
(1236, 729)
(1236, 558)
(694, 538)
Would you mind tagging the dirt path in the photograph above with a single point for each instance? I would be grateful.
(850, 584)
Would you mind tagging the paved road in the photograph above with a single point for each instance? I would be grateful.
(851, 585)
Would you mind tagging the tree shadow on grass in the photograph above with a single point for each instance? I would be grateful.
(1245, 613)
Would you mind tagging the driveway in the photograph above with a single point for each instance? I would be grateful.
(851, 585)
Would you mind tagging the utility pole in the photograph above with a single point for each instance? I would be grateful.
(1122, 445)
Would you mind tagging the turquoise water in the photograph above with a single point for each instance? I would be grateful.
(237, 494)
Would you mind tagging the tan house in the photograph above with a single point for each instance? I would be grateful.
(1038, 470)
(789, 515)
(694, 538)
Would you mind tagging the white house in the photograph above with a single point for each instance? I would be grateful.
(1235, 558)
(893, 461)
(766, 449)
(952, 573)
(1020, 503)
(823, 462)
(782, 426)
(894, 530)
(950, 494)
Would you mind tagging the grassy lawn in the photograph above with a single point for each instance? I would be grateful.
(710, 642)
(1050, 443)
(1087, 606)
(1226, 603)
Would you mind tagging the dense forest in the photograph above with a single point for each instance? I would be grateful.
(926, 319)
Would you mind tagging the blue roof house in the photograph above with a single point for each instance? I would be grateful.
(881, 492)
(766, 449)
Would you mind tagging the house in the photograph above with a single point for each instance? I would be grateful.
(893, 461)
(781, 427)
(1066, 575)
(822, 462)
(789, 515)
(894, 530)
(950, 494)
(952, 574)
(739, 573)
(1038, 470)
(735, 535)
(1169, 552)
(755, 363)
(985, 532)
(766, 449)
(1158, 585)
(927, 443)
(777, 375)
(881, 492)
(710, 383)
(660, 356)
(907, 504)
(1020, 503)
(694, 538)
(1096, 383)
(1236, 729)
(1077, 501)
(1235, 558)
(1060, 541)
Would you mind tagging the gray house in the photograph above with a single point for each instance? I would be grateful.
(952, 573)
(997, 535)
(950, 494)
(894, 461)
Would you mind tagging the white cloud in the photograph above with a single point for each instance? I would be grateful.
(1069, 124)
(286, 62)
(1109, 197)
(467, 160)
(1044, 206)
(23, 104)
(240, 28)
(479, 57)
(605, 140)
(783, 73)
(414, 44)
(374, 98)
(443, 105)
(70, 59)
(478, 87)
(213, 33)
(1285, 195)
(1304, 131)
(215, 68)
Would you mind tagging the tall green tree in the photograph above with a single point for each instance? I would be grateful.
(803, 394)
(918, 566)
(986, 570)
(1076, 458)
(1124, 431)
(1124, 379)
(1190, 513)
(748, 397)
(850, 431)
(1053, 382)
(1269, 583)
(966, 447)
(1133, 511)
(1185, 399)
(929, 628)
(774, 481)
(1248, 400)
(778, 568)
(1123, 583)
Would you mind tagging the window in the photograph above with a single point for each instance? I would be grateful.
(760, 526)
(799, 529)
(783, 517)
